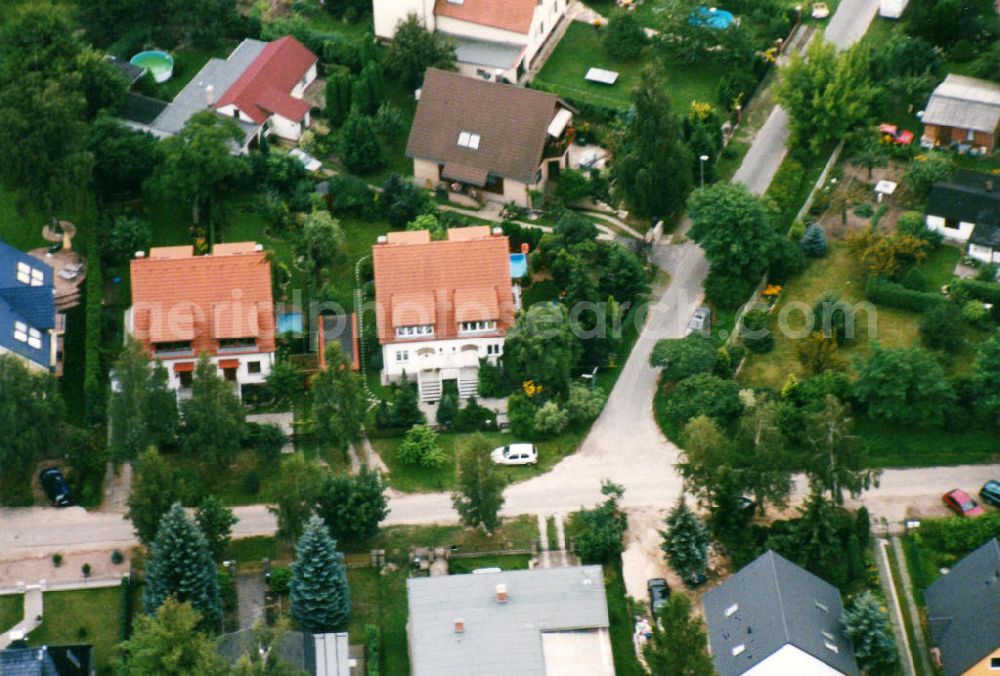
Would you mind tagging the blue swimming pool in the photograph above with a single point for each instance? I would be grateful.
(712, 17)
(518, 265)
(289, 322)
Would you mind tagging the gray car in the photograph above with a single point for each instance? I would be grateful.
(700, 322)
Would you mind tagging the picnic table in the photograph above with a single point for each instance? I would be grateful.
(608, 77)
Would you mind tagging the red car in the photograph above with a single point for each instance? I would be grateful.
(959, 502)
(893, 134)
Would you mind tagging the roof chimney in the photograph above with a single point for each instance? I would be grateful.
(258, 247)
(497, 231)
(501, 593)
(382, 239)
(210, 94)
(459, 625)
(140, 254)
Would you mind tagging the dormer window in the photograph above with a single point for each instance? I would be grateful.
(26, 334)
(29, 275)
(418, 331)
(467, 139)
(485, 326)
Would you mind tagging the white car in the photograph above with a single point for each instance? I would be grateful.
(307, 160)
(515, 454)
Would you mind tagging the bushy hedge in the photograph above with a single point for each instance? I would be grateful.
(587, 110)
(882, 291)
(373, 648)
(93, 408)
(958, 536)
(988, 292)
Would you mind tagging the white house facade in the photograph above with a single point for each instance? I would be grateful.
(791, 660)
(966, 209)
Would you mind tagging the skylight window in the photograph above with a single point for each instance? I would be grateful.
(21, 332)
(822, 606)
(467, 139)
(29, 275)
(732, 609)
(738, 650)
(831, 647)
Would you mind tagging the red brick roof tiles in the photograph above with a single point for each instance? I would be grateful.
(510, 15)
(265, 86)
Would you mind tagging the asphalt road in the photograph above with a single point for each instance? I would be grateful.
(848, 25)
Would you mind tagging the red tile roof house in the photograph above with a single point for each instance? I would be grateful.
(219, 304)
(494, 39)
(441, 306)
(260, 85)
(488, 141)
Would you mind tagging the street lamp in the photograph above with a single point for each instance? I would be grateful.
(702, 160)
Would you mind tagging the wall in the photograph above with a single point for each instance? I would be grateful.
(982, 668)
(388, 13)
(472, 70)
(232, 112)
(960, 234)
(426, 173)
(791, 660)
(984, 253)
(285, 128)
(243, 375)
(299, 90)
(446, 354)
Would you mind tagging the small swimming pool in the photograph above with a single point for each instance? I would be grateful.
(712, 17)
(518, 265)
(159, 64)
(289, 322)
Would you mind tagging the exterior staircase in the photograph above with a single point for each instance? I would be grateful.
(468, 383)
(429, 386)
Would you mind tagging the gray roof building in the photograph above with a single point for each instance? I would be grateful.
(777, 618)
(963, 608)
(315, 654)
(544, 622)
(65, 660)
(965, 103)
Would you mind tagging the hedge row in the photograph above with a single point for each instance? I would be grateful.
(93, 409)
(882, 291)
(988, 292)
(587, 110)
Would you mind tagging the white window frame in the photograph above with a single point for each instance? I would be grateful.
(402, 356)
(481, 326)
(468, 139)
(29, 275)
(21, 332)
(415, 331)
(34, 338)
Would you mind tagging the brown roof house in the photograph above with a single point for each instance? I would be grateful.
(487, 141)
(220, 304)
(441, 306)
(496, 40)
(964, 113)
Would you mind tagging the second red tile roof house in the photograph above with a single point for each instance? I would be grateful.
(220, 304)
(441, 306)
(496, 40)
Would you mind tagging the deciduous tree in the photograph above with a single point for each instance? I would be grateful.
(904, 386)
(216, 522)
(541, 348)
(213, 416)
(171, 643)
(599, 536)
(479, 495)
(339, 401)
(835, 461)
(986, 379)
(155, 488)
(679, 644)
(683, 357)
(353, 506)
(319, 595)
(31, 413)
(128, 404)
(299, 484)
(734, 228)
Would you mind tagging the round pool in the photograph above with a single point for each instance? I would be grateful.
(712, 17)
(159, 64)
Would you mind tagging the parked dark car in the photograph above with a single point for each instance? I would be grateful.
(695, 580)
(659, 592)
(959, 502)
(990, 492)
(56, 487)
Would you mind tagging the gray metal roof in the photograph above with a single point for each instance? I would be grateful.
(966, 103)
(220, 74)
(771, 603)
(486, 52)
(316, 654)
(500, 638)
(962, 609)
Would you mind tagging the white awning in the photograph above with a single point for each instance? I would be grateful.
(559, 122)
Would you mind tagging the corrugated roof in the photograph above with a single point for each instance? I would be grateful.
(178, 297)
(963, 607)
(771, 603)
(417, 282)
(502, 638)
(511, 15)
(511, 122)
(265, 86)
(966, 103)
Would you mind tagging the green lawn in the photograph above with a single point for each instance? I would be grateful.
(411, 478)
(83, 616)
(514, 533)
(503, 561)
(228, 483)
(11, 610)
(581, 49)
(380, 600)
(890, 446)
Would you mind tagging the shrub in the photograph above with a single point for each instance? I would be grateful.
(987, 273)
(786, 188)
(797, 230)
(881, 291)
(704, 394)
(754, 332)
(958, 536)
(267, 440)
(584, 403)
(813, 241)
(976, 314)
(912, 223)
(521, 416)
(352, 195)
(787, 261)
(475, 418)
(86, 569)
(864, 210)
(550, 420)
(988, 292)
(573, 186)
(251, 482)
(279, 580)
(117, 557)
(914, 280)
(624, 37)
(926, 170)
(491, 382)
(725, 291)
(447, 410)
(57, 559)
(942, 328)
(420, 447)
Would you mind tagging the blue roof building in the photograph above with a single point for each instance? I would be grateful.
(27, 308)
